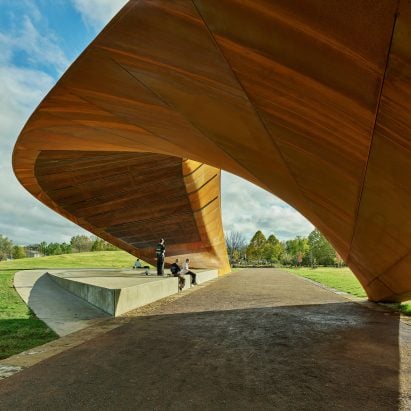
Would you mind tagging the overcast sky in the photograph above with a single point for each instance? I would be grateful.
(39, 39)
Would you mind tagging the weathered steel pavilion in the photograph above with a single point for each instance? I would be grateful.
(310, 100)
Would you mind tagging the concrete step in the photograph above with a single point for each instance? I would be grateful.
(118, 291)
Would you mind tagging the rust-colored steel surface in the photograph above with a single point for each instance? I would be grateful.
(310, 100)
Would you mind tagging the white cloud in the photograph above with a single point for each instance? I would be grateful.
(22, 86)
(20, 91)
(23, 218)
(40, 50)
(97, 13)
(248, 208)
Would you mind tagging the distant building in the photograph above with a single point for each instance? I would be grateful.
(33, 253)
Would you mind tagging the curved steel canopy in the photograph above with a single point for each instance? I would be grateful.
(309, 100)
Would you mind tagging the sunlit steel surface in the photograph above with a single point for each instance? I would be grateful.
(308, 99)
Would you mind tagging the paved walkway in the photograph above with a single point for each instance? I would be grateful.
(259, 339)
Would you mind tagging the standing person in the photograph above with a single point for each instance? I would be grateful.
(186, 270)
(160, 254)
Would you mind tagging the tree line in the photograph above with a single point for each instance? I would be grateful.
(77, 244)
(301, 251)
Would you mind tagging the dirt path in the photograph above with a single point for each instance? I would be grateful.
(261, 339)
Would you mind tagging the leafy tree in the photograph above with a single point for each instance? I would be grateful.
(51, 248)
(297, 250)
(101, 245)
(65, 248)
(255, 249)
(81, 243)
(78, 243)
(98, 245)
(43, 248)
(286, 259)
(54, 249)
(273, 249)
(320, 249)
(18, 252)
(6, 247)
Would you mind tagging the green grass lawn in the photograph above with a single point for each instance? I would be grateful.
(342, 279)
(20, 329)
(98, 259)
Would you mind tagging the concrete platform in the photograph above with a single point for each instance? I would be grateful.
(118, 291)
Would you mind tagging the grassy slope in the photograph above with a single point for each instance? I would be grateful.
(20, 329)
(100, 259)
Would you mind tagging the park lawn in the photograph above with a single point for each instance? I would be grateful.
(20, 329)
(97, 259)
(342, 279)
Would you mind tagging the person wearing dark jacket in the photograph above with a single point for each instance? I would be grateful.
(160, 255)
(176, 271)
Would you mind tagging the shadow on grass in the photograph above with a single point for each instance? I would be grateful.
(19, 335)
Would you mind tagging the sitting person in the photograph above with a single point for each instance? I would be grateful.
(137, 264)
(176, 271)
(186, 270)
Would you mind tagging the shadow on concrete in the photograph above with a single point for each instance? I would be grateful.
(61, 310)
(306, 357)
